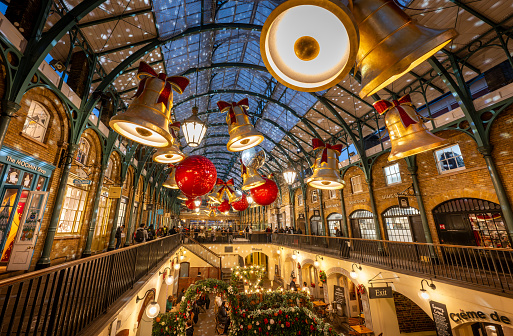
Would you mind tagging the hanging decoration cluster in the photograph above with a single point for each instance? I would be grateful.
(326, 173)
(251, 276)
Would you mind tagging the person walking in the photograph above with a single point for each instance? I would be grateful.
(120, 233)
(141, 235)
(293, 286)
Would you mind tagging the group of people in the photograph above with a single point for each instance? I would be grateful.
(144, 233)
(204, 234)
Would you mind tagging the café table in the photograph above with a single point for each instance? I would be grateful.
(320, 307)
(362, 330)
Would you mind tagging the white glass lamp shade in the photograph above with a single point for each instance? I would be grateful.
(249, 199)
(316, 263)
(153, 309)
(197, 202)
(177, 267)
(424, 294)
(194, 129)
(294, 256)
(298, 47)
(169, 280)
(353, 274)
(289, 175)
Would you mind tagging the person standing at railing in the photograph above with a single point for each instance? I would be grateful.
(268, 233)
(250, 232)
(120, 233)
(230, 235)
(141, 235)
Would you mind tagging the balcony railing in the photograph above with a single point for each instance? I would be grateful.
(486, 268)
(63, 299)
(204, 253)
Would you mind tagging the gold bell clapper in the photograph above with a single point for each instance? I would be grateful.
(242, 134)
(408, 133)
(146, 120)
(309, 45)
(170, 181)
(325, 171)
(171, 153)
(391, 43)
(250, 178)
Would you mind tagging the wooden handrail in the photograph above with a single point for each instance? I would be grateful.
(206, 248)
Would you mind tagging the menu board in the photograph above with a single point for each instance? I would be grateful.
(339, 295)
(441, 318)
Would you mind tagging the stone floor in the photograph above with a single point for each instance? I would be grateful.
(206, 322)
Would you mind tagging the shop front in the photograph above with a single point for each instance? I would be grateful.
(23, 196)
(481, 323)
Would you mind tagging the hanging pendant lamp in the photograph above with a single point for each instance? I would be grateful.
(309, 45)
(391, 43)
(289, 175)
(147, 118)
(194, 129)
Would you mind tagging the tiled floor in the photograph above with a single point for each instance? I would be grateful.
(206, 322)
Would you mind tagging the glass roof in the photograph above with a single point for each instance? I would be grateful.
(215, 81)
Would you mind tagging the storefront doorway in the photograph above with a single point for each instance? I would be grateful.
(316, 225)
(334, 221)
(362, 224)
(404, 225)
(471, 221)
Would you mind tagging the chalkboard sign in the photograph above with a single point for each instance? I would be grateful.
(380, 292)
(441, 318)
(339, 295)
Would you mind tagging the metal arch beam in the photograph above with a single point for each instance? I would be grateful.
(36, 51)
(126, 46)
(255, 94)
(115, 18)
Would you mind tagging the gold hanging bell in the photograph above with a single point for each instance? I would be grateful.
(250, 178)
(171, 153)
(242, 134)
(326, 174)
(408, 133)
(170, 181)
(146, 119)
(391, 43)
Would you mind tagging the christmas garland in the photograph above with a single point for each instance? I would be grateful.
(276, 299)
(322, 276)
(289, 321)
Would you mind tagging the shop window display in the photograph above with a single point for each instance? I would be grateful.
(83, 151)
(397, 222)
(362, 223)
(72, 210)
(449, 159)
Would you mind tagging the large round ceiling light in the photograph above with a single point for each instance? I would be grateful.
(309, 45)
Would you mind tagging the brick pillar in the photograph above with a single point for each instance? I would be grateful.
(78, 73)
(23, 14)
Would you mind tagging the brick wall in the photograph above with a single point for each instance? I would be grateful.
(411, 318)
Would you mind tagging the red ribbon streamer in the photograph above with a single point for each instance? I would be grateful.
(318, 144)
(242, 167)
(172, 128)
(177, 83)
(244, 104)
(383, 106)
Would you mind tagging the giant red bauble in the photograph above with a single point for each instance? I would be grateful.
(190, 204)
(223, 207)
(195, 176)
(241, 204)
(266, 193)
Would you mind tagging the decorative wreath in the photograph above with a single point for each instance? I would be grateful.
(298, 266)
(322, 276)
(361, 289)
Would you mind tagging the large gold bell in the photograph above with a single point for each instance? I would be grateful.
(170, 181)
(391, 43)
(251, 179)
(408, 140)
(326, 174)
(146, 119)
(170, 154)
(242, 134)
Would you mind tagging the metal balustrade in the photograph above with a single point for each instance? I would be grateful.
(204, 253)
(488, 269)
(63, 299)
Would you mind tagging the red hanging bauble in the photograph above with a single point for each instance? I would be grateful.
(266, 193)
(241, 204)
(195, 176)
(190, 204)
(224, 206)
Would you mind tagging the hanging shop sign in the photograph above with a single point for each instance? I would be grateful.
(466, 316)
(149, 206)
(380, 293)
(19, 160)
(301, 216)
(339, 295)
(441, 318)
(403, 202)
(160, 211)
(115, 192)
(317, 212)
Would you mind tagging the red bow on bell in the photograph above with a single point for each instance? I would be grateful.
(318, 144)
(383, 106)
(244, 104)
(242, 167)
(177, 83)
(224, 185)
(173, 127)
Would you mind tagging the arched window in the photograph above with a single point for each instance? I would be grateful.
(362, 223)
(37, 121)
(108, 171)
(83, 151)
